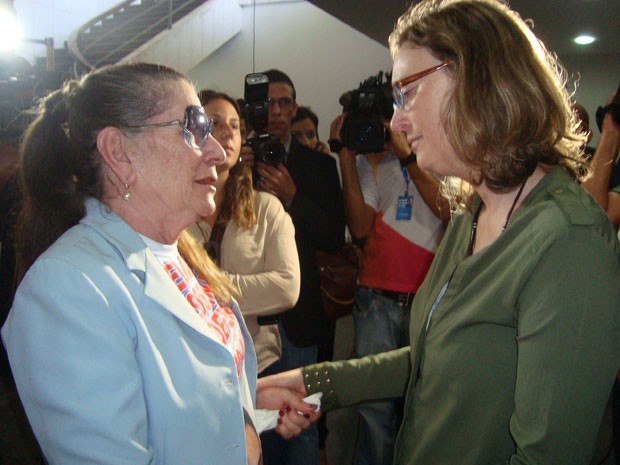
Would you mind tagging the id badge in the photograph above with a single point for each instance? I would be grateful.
(403, 208)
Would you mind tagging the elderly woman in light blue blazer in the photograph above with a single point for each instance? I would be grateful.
(124, 341)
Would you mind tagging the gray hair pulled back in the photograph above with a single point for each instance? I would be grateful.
(60, 162)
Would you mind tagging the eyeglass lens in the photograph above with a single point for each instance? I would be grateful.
(197, 126)
(397, 91)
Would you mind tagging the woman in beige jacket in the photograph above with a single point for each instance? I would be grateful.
(257, 249)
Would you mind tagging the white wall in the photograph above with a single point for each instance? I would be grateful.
(198, 35)
(323, 56)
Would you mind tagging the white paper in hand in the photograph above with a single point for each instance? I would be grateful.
(268, 419)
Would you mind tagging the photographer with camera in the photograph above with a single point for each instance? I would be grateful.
(604, 183)
(394, 206)
(307, 184)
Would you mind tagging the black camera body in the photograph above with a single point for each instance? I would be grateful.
(267, 149)
(367, 107)
(613, 108)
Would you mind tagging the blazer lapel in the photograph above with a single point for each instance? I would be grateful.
(158, 286)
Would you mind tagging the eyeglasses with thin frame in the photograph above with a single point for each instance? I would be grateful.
(197, 126)
(397, 89)
(283, 102)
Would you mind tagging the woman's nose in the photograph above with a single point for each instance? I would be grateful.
(213, 152)
(226, 131)
(399, 121)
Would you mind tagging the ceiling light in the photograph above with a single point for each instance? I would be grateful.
(584, 39)
(10, 33)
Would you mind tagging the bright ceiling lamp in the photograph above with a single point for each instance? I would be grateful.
(10, 32)
(584, 39)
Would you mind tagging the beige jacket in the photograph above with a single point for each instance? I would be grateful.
(263, 263)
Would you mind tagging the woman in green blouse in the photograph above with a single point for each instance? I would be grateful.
(515, 331)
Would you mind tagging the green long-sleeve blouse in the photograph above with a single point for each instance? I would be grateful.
(517, 362)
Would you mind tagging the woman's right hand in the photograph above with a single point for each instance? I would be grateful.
(291, 379)
(284, 392)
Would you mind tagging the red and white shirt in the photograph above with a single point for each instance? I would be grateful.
(397, 253)
(221, 323)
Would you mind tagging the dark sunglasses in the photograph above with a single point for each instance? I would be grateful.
(197, 126)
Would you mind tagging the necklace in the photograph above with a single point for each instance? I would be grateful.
(470, 247)
(474, 224)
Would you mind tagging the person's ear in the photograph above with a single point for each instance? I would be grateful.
(112, 146)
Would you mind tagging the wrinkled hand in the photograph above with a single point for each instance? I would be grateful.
(294, 414)
(291, 379)
(277, 181)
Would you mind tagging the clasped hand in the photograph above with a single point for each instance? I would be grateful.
(284, 392)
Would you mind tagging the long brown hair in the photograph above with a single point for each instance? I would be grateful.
(238, 200)
(509, 110)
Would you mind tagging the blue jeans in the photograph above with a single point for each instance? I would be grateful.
(381, 324)
(302, 449)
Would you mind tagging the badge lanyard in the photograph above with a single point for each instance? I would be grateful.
(405, 202)
(407, 179)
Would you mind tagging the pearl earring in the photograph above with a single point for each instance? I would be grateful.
(127, 194)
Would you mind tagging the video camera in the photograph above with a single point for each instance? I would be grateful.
(613, 108)
(267, 149)
(367, 107)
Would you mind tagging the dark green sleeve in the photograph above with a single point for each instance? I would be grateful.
(348, 382)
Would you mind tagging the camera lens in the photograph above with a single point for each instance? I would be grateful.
(271, 152)
(366, 133)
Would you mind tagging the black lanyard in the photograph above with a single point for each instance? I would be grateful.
(470, 249)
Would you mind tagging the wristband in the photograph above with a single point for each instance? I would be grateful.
(335, 145)
(411, 158)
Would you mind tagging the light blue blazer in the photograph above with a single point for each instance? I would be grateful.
(112, 363)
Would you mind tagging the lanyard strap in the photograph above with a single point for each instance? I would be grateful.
(406, 177)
